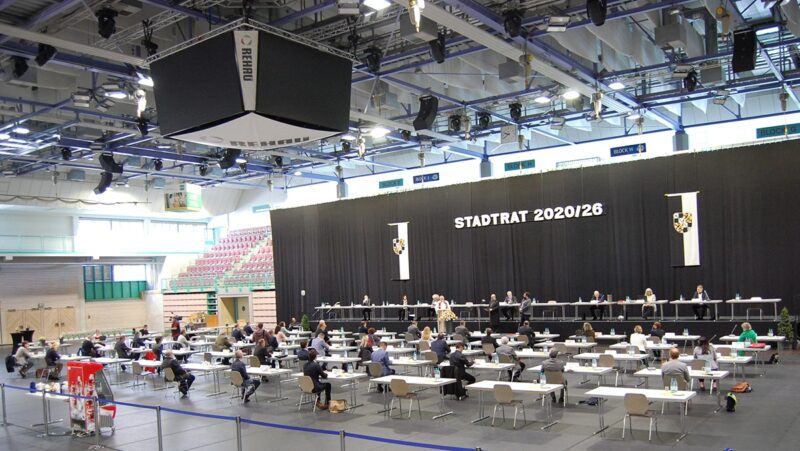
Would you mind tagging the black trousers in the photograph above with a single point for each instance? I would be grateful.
(186, 382)
(401, 314)
(467, 377)
(515, 370)
(647, 311)
(700, 310)
(508, 313)
(324, 387)
(367, 313)
(523, 318)
(594, 309)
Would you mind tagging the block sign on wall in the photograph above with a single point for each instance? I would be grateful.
(434, 177)
(628, 150)
(777, 130)
(519, 165)
(395, 183)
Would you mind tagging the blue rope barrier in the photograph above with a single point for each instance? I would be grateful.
(197, 414)
(128, 404)
(406, 443)
(291, 428)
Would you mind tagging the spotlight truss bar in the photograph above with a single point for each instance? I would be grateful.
(557, 123)
(557, 24)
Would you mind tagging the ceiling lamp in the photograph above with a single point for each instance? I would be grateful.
(542, 99)
(20, 66)
(616, 85)
(690, 82)
(158, 164)
(377, 5)
(379, 131)
(515, 111)
(45, 54)
(454, 123)
(372, 58)
(571, 94)
(484, 120)
(557, 24)
(596, 10)
(106, 22)
(557, 123)
(512, 22)
(81, 99)
(415, 8)
(20, 130)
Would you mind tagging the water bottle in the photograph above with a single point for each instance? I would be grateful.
(583, 339)
(681, 297)
(580, 299)
(613, 331)
(542, 380)
(770, 333)
(738, 297)
(276, 364)
(415, 355)
(673, 385)
(547, 330)
(707, 366)
(627, 299)
(496, 359)
(436, 373)
(685, 331)
(341, 329)
(534, 300)
(594, 363)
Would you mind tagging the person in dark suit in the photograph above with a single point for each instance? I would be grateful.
(259, 333)
(247, 329)
(322, 328)
(363, 328)
(237, 334)
(122, 350)
(315, 372)
(366, 312)
(53, 361)
(700, 310)
(508, 312)
(494, 312)
(250, 385)
(184, 378)
(439, 346)
(595, 308)
(525, 308)
(412, 333)
(158, 348)
(88, 349)
(460, 364)
(526, 330)
(262, 352)
(137, 342)
(489, 339)
(302, 353)
(144, 330)
(462, 330)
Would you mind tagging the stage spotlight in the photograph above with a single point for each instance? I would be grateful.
(243, 166)
(405, 135)
(45, 54)
(109, 165)
(515, 111)
(372, 58)
(141, 124)
(203, 169)
(438, 48)
(278, 161)
(690, 82)
(158, 164)
(454, 122)
(20, 66)
(513, 22)
(66, 153)
(596, 10)
(228, 158)
(346, 147)
(105, 182)
(484, 120)
(150, 47)
(106, 22)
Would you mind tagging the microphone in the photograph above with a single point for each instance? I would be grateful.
(734, 328)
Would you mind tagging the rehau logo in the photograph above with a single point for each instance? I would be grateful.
(247, 63)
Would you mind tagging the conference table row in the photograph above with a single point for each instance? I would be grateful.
(480, 309)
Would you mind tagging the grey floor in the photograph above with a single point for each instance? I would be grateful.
(767, 419)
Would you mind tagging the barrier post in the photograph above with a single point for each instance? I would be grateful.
(3, 396)
(342, 436)
(96, 406)
(158, 427)
(239, 433)
(44, 413)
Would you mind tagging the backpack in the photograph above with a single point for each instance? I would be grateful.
(730, 402)
(11, 362)
(742, 387)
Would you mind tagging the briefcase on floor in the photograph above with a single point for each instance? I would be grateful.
(337, 405)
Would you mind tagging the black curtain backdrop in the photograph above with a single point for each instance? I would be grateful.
(748, 213)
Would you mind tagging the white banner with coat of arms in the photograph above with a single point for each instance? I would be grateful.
(684, 239)
(400, 270)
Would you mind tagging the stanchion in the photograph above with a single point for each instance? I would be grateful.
(3, 396)
(341, 439)
(239, 433)
(46, 420)
(96, 406)
(158, 427)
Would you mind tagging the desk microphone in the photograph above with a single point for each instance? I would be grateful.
(734, 328)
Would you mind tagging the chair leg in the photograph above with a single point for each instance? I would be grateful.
(650, 431)
(391, 407)
(515, 416)
(624, 423)
(419, 409)
(411, 407)
(494, 414)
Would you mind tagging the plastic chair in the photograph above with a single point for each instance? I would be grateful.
(504, 396)
(725, 352)
(433, 358)
(307, 394)
(169, 377)
(254, 362)
(401, 391)
(424, 346)
(607, 361)
(460, 338)
(637, 405)
(682, 386)
(557, 377)
(524, 340)
(138, 372)
(374, 370)
(488, 349)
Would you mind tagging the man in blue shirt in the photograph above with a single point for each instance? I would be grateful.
(382, 356)
(250, 385)
(320, 345)
(439, 346)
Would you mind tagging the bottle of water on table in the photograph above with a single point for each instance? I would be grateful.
(673, 385)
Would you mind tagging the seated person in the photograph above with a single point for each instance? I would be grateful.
(460, 365)
(237, 333)
(700, 310)
(487, 338)
(705, 351)
(222, 344)
(302, 353)
(322, 328)
(272, 340)
(649, 306)
(138, 342)
(184, 378)
(182, 343)
(320, 345)
(747, 335)
(247, 329)
(24, 359)
(316, 372)
(439, 346)
(363, 328)
(675, 367)
(462, 330)
(144, 330)
(657, 331)
(122, 350)
(596, 299)
(412, 333)
(250, 385)
(381, 356)
(158, 348)
(526, 330)
(364, 351)
(519, 367)
(262, 352)
(373, 338)
(587, 331)
(53, 361)
(553, 363)
(88, 349)
(638, 339)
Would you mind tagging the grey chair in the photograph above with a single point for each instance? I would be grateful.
(557, 377)
(637, 405)
(503, 397)
(374, 370)
(607, 361)
(400, 391)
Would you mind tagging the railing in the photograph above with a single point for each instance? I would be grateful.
(320, 438)
(37, 244)
(233, 283)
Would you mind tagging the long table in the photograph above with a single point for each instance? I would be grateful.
(214, 369)
(715, 375)
(415, 381)
(652, 395)
(525, 388)
(715, 303)
(773, 301)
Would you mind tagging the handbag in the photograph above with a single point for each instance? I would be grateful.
(338, 405)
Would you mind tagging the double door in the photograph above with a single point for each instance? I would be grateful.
(48, 322)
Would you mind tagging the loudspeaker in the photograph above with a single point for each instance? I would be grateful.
(744, 51)
(486, 168)
(228, 158)
(105, 182)
(109, 165)
(428, 107)
(596, 10)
